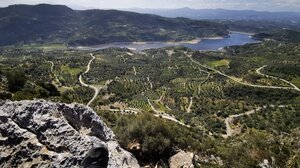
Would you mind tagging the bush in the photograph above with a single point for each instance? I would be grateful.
(157, 137)
(50, 88)
(153, 135)
(16, 80)
(5, 95)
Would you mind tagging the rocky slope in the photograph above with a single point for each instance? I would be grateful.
(45, 134)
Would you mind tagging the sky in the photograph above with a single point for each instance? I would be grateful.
(261, 5)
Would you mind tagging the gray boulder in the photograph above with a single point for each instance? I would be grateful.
(45, 134)
(182, 159)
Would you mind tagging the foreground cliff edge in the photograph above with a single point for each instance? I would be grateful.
(46, 134)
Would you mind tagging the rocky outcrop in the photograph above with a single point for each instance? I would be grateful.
(182, 159)
(45, 134)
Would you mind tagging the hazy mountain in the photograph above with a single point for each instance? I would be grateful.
(236, 20)
(55, 23)
(221, 14)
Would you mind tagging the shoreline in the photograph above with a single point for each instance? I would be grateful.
(214, 38)
(143, 45)
(193, 41)
(240, 32)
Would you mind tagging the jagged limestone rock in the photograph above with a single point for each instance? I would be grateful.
(45, 134)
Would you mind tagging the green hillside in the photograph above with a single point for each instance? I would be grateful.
(21, 24)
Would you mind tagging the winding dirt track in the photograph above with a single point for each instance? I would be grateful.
(96, 89)
(134, 70)
(258, 71)
(237, 80)
(188, 110)
(162, 114)
(52, 72)
(151, 84)
(228, 120)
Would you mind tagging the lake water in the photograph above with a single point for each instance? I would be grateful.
(233, 39)
(205, 44)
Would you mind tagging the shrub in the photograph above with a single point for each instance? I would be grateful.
(16, 80)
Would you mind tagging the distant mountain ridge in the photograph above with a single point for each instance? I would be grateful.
(21, 24)
(237, 20)
(223, 14)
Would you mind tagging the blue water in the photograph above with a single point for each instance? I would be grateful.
(233, 39)
(205, 44)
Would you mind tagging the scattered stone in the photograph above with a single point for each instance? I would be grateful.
(265, 164)
(199, 158)
(135, 146)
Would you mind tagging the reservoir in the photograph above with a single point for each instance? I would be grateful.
(235, 38)
(215, 44)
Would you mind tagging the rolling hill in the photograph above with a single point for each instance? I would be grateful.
(22, 24)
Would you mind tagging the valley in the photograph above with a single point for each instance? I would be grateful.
(203, 93)
(79, 86)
